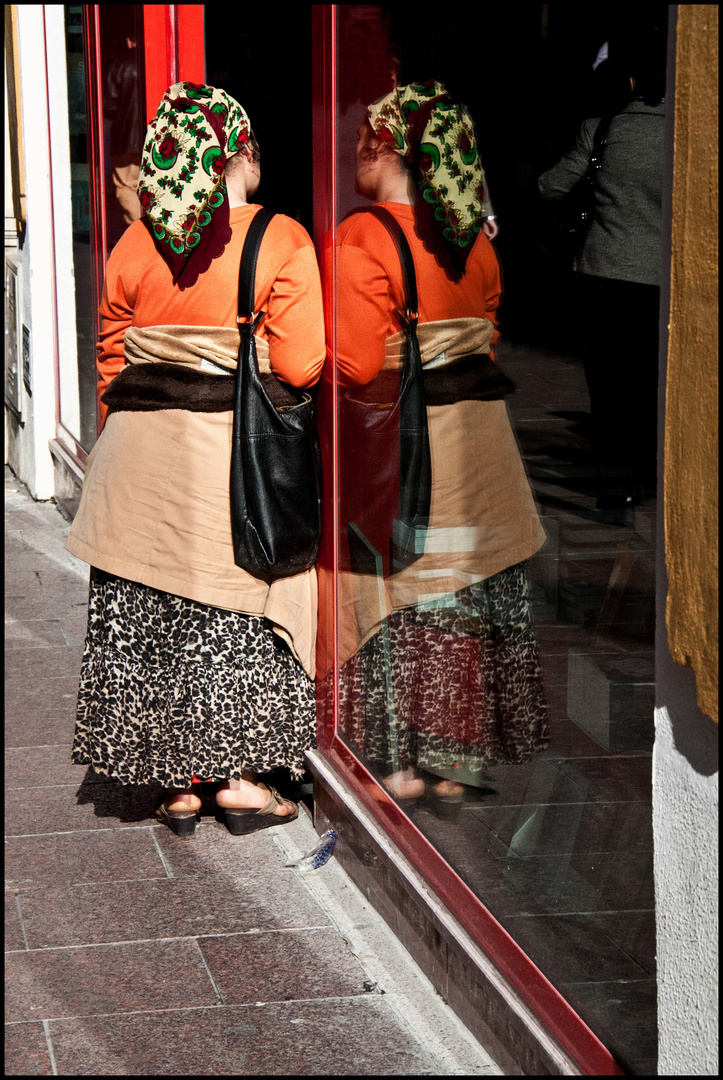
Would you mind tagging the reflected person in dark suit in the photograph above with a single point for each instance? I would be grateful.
(617, 279)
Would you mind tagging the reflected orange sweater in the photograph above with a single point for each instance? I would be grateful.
(370, 289)
(139, 291)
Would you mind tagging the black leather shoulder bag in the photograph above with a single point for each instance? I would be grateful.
(275, 454)
(567, 223)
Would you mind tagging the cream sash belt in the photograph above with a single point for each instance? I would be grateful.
(209, 348)
(443, 341)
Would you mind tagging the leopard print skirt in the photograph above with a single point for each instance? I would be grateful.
(171, 689)
(453, 685)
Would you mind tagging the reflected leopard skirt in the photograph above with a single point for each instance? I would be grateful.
(171, 688)
(452, 685)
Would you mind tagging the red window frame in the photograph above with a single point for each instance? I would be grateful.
(540, 995)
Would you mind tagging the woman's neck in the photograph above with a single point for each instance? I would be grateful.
(396, 186)
(238, 191)
(236, 198)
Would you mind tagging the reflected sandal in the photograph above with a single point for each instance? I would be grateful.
(446, 807)
(241, 822)
(181, 822)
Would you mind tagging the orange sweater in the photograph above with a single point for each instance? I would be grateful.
(370, 289)
(139, 291)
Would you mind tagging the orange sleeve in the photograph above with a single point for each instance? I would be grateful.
(120, 292)
(294, 323)
(493, 295)
(365, 315)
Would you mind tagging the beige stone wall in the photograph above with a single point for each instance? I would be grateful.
(691, 424)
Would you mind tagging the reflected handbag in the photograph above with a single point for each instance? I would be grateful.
(567, 223)
(275, 454)
(385, 465)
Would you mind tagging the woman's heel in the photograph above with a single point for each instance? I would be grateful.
(181, 822)
(242, 822)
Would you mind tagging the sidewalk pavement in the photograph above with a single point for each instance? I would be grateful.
(131, 952)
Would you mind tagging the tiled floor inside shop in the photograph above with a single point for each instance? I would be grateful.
(560, 849)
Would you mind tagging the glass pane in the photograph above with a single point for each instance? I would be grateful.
(77, 374)
(124, 120)
(238, 61)
(496, 649)
(123, 128)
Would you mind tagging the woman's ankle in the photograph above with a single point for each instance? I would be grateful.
(244, 791)
(248, 795)
(405, 784)
(181, 799)
(448, 788)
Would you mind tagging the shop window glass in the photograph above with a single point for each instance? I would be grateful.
(77, 374)
(277, 102)
(124, 122)
(501, 690)
(105, 151)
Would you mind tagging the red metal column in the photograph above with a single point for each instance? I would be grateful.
(157, 72)
(173, 49)
(190, 43)
(324, 105)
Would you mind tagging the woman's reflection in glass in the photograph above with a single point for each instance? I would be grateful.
(439, 669)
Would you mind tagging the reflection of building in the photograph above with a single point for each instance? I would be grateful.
(58, 233)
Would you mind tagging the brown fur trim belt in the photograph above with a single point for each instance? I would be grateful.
(150, 387)
(467, 378)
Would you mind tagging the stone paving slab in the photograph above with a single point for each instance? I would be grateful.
(38, 605)
(82, 857)
(285, 965)
(132, 910)
(27, 1051)
(14, 937)
(65, 808)
(25, 664)
(46, 763)
(58, 983)
(32, 633)
(332, 1037)
(39, 702)
(223, 855)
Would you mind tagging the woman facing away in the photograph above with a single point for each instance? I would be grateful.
(193, 669)
(440, 675)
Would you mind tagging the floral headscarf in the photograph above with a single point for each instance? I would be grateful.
(436, 136)
(196, 130)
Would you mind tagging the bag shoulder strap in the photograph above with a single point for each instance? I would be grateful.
(409, 276)
(247, 268)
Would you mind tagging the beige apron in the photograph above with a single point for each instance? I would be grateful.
(155, 504)
(483, 517)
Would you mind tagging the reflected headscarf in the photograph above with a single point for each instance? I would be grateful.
(436, 136)
(195, 131)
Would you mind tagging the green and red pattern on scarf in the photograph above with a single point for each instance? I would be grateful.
(436, 136)
(195, 131)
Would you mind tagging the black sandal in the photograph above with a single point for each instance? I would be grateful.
(445, 807)
(181, 822)
(241, 822)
